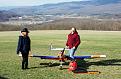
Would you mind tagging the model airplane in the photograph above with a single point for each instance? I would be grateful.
(61, 57)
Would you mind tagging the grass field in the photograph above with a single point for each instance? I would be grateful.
(93, 42)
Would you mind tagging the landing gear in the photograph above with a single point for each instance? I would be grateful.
(50, 64)
(60, 67)
(61, 64)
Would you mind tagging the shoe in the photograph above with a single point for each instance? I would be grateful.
(23, 68)
(27, 68)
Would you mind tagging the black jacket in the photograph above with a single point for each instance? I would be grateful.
(24, 43)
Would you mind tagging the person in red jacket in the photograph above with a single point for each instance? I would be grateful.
(73, 42)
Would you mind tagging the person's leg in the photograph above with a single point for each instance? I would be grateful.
(26, 61)
(26, 64)
(69, 52)
(72, 51)
(23, 61)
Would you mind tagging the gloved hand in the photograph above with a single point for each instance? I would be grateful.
(73, 47)
(66, 47)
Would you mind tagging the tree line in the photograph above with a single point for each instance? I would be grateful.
(66, 24)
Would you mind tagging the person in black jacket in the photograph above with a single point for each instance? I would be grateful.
(24, 47)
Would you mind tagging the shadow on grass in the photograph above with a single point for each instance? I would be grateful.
(53, 64)
(3, 77)
(111, 62)
(36, 67)
(45, 65)
(83, 65)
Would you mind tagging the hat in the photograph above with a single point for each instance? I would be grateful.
(25, 30)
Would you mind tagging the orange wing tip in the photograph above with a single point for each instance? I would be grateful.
(98, 56)
(88, 72)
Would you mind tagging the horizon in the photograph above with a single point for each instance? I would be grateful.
(15, 3)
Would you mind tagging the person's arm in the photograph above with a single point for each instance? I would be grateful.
(19, 45)
(77, 41)
(67, 41)
(30, 44)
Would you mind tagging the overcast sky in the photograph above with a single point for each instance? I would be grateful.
(4, 3)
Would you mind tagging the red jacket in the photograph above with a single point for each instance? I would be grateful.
(73, 40)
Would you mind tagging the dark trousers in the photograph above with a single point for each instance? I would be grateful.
(25, 60)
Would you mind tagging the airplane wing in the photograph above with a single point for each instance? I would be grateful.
(76, 57)
(47, 57)
(43, 57)
(91, 56)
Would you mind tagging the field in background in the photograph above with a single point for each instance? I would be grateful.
(93, 42)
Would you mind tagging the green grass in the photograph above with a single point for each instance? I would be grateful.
(93, 42)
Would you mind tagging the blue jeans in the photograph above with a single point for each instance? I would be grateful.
(71, 53)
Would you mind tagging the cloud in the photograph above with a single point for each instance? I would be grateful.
(31, 2)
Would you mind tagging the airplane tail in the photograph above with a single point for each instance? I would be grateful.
(51, 46)
(60, 49)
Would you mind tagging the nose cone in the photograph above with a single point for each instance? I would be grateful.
(72, 66)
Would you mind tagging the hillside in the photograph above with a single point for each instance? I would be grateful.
(90, 8)
(5, 15)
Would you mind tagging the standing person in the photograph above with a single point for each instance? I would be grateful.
(24, 47)
(73, 42)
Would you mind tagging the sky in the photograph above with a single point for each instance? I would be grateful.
(5, 3)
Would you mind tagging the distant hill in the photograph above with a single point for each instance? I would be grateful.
(5, 15)
(90, 8)
(9, 7)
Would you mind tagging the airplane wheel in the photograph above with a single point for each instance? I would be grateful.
(61, 68)
(50, 64)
